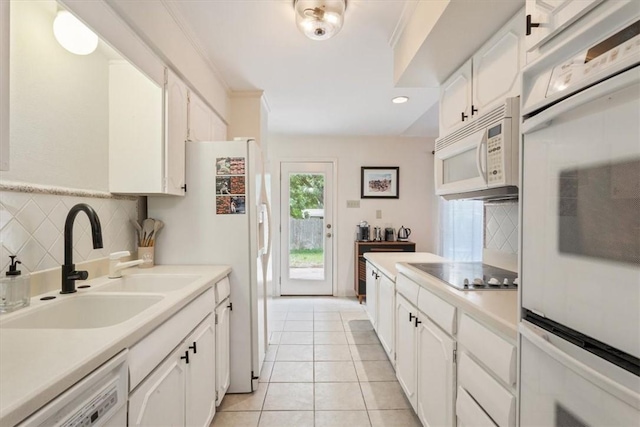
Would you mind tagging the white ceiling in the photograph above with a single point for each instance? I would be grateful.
(342, 86)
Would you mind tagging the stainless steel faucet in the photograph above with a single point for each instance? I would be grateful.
(69, 273)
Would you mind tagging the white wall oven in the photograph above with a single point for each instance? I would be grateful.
(480, 156)
(580, 255)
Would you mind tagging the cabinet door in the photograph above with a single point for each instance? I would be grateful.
(455, 100)
(406, 362)
(553, 16)
(496, 67)
(201, 375)
(372, 293)
(386, 323)
(219, 129)
(223, 373)
(160, 398)
(176, 134)
(201, 121)
(436, 375)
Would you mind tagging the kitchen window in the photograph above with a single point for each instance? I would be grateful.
(461, 229)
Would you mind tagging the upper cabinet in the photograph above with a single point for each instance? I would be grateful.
(176, 129)
(546, 18)
(204, 124)
(486, 79)
(4, 85)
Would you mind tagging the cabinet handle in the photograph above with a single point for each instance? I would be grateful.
(464, 116)
(411, 317)
(193, 347)
(473, 109)
(230, 306)
(186, 356)
(417, 321)
(531, 25)
(184, 187)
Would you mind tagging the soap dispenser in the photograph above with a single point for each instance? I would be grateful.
(15, 289)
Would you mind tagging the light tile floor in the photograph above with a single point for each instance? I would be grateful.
(325, 368)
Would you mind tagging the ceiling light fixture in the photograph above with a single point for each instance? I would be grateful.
(400, 99)
(73, 35)
(319, 19)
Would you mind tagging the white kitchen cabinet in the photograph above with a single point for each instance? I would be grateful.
(147, 132)
(486, 79)
(181, 390)
(546, 18)
(372, 277)
(406, 346)
(456, 99)
(200, 387)
(176, 128)
(4, 85)
(436, 375)
(203, 123)
(223, 371)
(386, 315)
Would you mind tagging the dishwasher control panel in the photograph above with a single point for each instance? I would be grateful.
(94, 411)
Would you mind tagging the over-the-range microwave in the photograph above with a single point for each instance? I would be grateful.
(480, 160)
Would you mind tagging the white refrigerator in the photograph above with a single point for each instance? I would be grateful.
(223, 219)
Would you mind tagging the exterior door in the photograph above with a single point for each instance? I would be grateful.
(306, 228)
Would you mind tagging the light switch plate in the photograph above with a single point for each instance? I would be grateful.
(353, 203)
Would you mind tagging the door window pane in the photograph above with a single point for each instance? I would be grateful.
(306, 226)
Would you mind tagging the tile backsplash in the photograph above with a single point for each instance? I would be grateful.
(32, 227)
(501, 227)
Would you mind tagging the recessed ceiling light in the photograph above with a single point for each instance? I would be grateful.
(400, 99)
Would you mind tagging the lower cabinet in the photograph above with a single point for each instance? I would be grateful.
(436, 375)
(372, 277)
(425, 365)
(181, 390)
(406, 346)
(386, 317)
(223, 371)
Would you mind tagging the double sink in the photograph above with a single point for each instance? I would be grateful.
(108, 302)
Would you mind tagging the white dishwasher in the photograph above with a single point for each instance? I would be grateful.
(98, 400)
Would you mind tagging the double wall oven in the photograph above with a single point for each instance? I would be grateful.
(580, 256)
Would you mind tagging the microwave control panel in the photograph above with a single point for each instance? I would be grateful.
(495, 155)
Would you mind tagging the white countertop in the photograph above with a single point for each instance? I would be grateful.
(36, 365)
(498, 309)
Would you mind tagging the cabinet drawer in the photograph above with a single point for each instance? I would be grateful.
(442, 313)
(223, 290)
(490, 395)
(496, 353)
(408, 289)
(469, 413)
(386, 247)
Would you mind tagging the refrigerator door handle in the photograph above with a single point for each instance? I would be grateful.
(541, 340)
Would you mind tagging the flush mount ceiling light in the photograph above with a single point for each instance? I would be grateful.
(400, 99)
(319, 19)
(73, 35)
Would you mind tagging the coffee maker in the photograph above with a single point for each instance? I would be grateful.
(363, 232)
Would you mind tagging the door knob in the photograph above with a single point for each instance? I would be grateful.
(328, 234)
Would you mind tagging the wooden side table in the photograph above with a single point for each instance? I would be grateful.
(360, 270)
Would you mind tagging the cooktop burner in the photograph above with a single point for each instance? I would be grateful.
(471, 276)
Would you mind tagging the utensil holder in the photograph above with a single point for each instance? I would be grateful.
(147, 254)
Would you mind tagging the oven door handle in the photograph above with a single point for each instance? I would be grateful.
(479, 154)
(540, 339)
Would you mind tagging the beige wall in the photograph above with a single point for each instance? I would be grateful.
(416, 208)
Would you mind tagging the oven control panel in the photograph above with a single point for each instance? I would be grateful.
(617, 51)
(495, 155)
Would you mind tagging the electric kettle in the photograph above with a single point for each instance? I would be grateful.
(403, 234)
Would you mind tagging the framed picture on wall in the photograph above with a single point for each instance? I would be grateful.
(380, 182)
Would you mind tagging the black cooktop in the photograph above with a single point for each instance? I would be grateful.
(471, 276)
